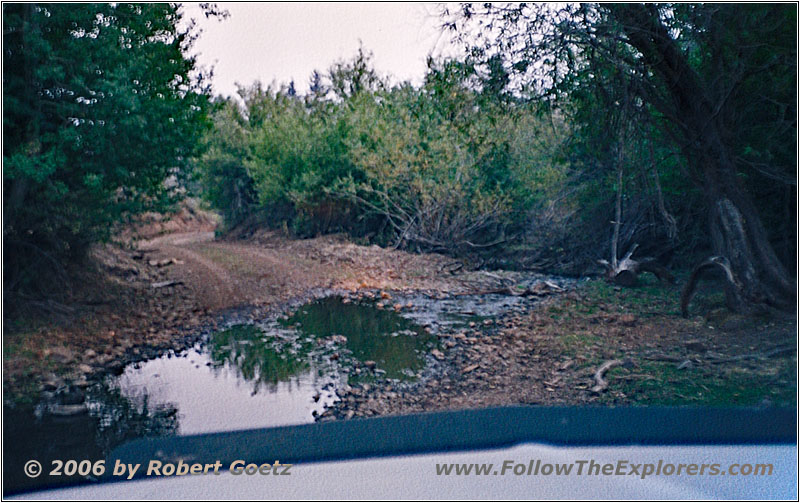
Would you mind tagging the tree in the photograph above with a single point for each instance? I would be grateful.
(718, 80)
(221, 168)
(101, 105)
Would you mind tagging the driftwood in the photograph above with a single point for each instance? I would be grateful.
(602, 384)
(626, 272)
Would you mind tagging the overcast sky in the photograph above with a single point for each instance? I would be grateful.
(287, 41)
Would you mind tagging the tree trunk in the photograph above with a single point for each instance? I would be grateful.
(737, 232)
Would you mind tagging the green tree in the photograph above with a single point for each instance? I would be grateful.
(221, 169)
(717, 80)
(101, 105)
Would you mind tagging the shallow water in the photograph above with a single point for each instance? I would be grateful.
(248, 375)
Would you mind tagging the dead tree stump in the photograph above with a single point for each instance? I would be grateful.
(626, 271)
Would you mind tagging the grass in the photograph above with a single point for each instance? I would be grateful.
(660, 383)
(607, 322)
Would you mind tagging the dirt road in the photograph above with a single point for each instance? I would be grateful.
(270, 269)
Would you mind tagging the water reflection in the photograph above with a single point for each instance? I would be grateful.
(257, 358)
(245, 376)
(382, 336)
(112, 419)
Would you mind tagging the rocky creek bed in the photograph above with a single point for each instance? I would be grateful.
(338, 354)
(329, 354)
(403, 341)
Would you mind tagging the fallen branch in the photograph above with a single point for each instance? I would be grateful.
(664, 358)
(625, 272)
(755, 356)
(602, 384)
(164, 284)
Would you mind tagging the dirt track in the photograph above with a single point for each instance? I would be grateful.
(271, 269)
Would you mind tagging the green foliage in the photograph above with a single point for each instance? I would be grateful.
(626, 102)
(435, 163)
(296, 152)
(101, 106)
(454, 165)
(221, 170)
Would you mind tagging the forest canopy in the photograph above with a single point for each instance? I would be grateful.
(566, 133)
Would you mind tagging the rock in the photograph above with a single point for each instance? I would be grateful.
(86, 369)
(51, 382)
(370, 364)
(70, 396)
(437, 354)
(471, 324)
(696, 345)
(349, 414)
(89, 353)
(59, 354)
(68, 410)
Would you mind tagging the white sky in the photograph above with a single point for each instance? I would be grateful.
(287, 41)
